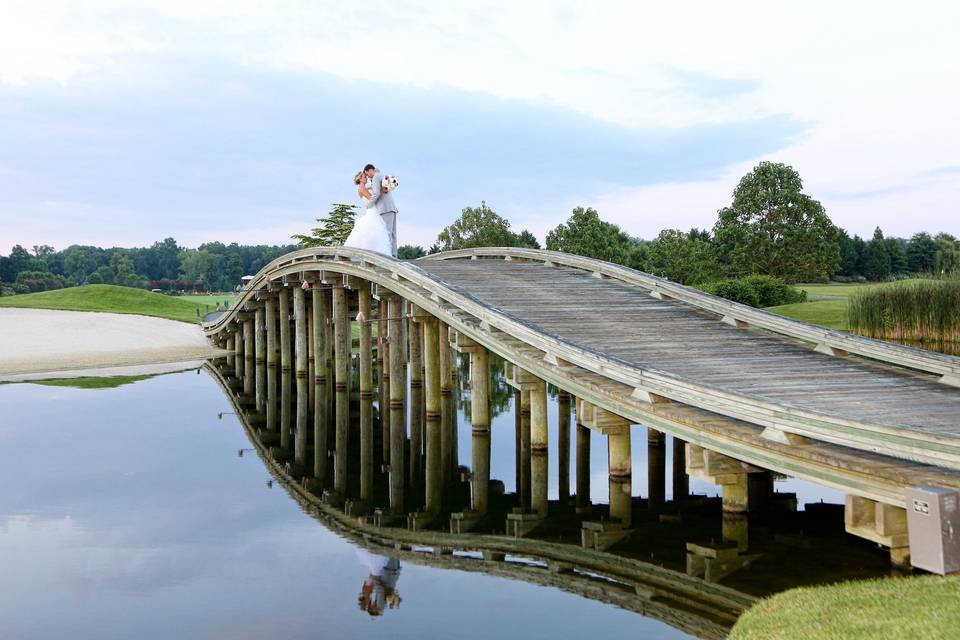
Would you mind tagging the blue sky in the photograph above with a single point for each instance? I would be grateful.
(123, 123)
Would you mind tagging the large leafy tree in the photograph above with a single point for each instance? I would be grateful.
(332, 230)
(920, 252)
(773, 228)
(585, 234)
(687, 258)
(946, 259)
(477, 227)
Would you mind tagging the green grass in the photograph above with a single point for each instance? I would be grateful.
(111, 299)
(89, 382)
(829, 313)
(211, 300)
(882, 609)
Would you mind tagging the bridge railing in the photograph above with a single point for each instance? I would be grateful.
(947, 366)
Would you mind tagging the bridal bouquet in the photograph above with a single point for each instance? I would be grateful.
(389, 183)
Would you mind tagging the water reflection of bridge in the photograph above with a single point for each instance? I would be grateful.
(742, 392)
(689, 603)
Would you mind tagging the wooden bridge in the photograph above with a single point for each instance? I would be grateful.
(747, 392)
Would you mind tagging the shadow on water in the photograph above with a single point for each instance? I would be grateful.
(674, 563)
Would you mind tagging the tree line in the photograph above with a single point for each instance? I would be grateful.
(165, 265)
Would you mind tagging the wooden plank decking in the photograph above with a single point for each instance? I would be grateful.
(626, 323)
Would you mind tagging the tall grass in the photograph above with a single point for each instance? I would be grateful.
(919, 310)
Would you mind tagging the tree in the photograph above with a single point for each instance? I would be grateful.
(80, 261)
(876, 257)
(897, 249)
(773, 228)
(477, 227)
(920, 252)
(946, 259)
(527, 239)
(686, 258)
(333, 230)
(851, 253)
(585, 234)
(410, 252)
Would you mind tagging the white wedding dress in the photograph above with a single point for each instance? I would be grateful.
(369, 231)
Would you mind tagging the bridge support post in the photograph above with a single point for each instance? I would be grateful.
(300, 366)
(681, 481)
(656, 468)
(480, 429)
(270, 320)
(447, 433)
(415, 338)
(285, 355)
(231, 352)
(621, 474)
(431, 361)
(881, 523)
(366, 394)
(341, 357)
(260, 360)
(517, 448)
(398, 394)
(238, 345)
(383, 362)
(563, 448)
(583, 468)
(538, 449)
(525, 450)
(321, 373)
(248, 357)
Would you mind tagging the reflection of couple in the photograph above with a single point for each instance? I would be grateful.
(376, 229)
(379, 589)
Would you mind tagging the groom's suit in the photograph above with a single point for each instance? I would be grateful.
(388, 212)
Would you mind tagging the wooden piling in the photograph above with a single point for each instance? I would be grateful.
(538, 449)
(366, 394)
(563, 448)
(621, 475)
(656, 468)
(398, 394)
(300, 366)
(321, 318)
(414, 336)
(341, 356)
(480, 429)
(434, 439)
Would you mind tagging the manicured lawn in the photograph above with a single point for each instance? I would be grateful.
(827, 312)
(212, 300)
(882, 609)
(112, 299)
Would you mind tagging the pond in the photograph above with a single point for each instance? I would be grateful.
(151, 509)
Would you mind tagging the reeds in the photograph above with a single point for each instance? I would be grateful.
(916, 310)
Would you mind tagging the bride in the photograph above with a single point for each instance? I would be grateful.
(369, 231)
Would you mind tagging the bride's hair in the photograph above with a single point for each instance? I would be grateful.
(357, 179)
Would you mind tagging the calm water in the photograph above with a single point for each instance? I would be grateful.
(127, 512)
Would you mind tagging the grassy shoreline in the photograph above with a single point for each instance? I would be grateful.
(107, 298)
(880, 609)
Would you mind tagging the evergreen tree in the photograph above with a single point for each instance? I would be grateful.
(876, 257)
(333, 230)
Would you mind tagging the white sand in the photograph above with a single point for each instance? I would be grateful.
(41, 340)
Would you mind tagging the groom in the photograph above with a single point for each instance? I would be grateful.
(385, 207)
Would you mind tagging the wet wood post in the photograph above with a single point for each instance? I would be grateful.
(260, 360)
(285, 368)
(538, 449)
(656, 468)
(681, 481)
(300, 367)
(583, 468)
(517, 428)
(563, 448)
(525, 450)
(248, 356)
(480, 429)
(311, 352)
(398, 394)
(383, 361)
(238, 346)
(270, 319)
(321, 376)
(330, 399)
(447, 434)
(366, 394)
(621, 474)
(434, 440)
(341, 358)
(231, 351)
(416, 402)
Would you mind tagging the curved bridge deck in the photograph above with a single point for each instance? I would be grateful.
(625, 323)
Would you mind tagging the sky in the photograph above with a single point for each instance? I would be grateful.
(123, 123)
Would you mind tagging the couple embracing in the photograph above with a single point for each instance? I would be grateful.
(376, 229)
